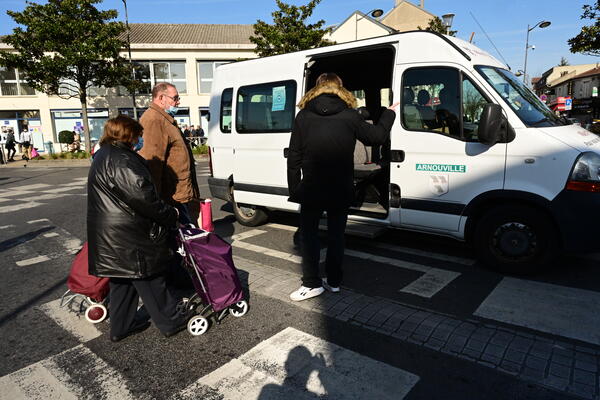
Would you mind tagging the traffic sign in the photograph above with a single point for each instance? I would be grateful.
(568, 104)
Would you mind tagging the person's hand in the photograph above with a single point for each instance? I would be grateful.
(394, 106)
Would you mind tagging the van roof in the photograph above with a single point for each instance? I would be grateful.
(465, 50)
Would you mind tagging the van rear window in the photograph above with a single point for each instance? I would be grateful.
(266, 108)
(226, 101)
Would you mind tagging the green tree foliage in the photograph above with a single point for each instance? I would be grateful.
(563, 62)
(437, 25)
(65, 47)
(588, 40)
(289, 31)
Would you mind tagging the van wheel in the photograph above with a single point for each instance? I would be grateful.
(248, 215)
(516, 240)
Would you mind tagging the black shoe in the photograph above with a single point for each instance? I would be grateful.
(137, 328)
(182, 325)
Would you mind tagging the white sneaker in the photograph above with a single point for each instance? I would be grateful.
(333, 289)
(306, 293)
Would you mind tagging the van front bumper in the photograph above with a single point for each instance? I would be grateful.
(578, 217)
(219, 188)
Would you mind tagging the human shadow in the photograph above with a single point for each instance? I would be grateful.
(16, 241)
(299, 367)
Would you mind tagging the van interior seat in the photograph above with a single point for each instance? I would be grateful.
(364, 167)
(410, 112)
(258, 115)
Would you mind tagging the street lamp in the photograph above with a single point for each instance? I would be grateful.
(376, 13)
(541, 24)
(447, 20)
(135, 114)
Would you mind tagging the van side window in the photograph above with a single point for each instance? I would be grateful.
(472, 105)
(431, 101)
(266, 108)
(226, 102)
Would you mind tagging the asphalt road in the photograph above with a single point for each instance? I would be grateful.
(391, 281)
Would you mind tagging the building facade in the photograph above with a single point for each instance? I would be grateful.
(185, 55)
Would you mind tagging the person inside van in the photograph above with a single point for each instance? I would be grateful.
(425, 110)
(446, 113)
(320, 171)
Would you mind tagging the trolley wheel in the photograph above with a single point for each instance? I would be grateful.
(182, 306)
(239, 309)
(96, 313)
(197, 325)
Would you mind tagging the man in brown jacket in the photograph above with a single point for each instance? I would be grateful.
(169, 156)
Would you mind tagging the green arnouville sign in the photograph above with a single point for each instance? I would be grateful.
(441, 168)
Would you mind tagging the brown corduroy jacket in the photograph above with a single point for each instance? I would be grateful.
(169, 157)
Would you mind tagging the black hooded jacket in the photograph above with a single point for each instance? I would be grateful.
(127, 223)
(321, 152)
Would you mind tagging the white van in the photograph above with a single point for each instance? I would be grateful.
(473, 155)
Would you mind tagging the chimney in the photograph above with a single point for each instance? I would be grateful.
(422, 4)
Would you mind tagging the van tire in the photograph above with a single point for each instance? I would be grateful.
(247, 214)
(516, 239)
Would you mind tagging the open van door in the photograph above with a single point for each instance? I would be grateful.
(438, 162)
(264, 113)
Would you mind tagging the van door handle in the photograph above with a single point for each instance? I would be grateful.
(397, 155)
(286, 152)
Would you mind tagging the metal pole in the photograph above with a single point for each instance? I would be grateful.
(135, 114)
(526, 49)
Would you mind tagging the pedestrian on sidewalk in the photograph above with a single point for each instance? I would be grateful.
(26, 142)
(320, 170)
(11, 146)
(128, 230)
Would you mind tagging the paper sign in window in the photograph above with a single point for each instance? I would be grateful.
(278, 98)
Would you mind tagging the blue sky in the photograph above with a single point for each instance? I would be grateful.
(505, 21)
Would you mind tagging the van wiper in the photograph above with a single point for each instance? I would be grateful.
(545, 119)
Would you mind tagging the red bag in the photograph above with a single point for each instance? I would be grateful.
(205, 220)
(80, 281)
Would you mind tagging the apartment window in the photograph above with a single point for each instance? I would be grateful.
(206, 72)
(266, 108)
(150, 73)
(11, 84)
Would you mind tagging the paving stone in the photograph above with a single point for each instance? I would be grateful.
(452, 322)
(582, 390)
(521, 344)
(502, 338)
(465, 329)
(474, 354)
(435, 344)
(586, 366)
(418, 337)
(587, 378)
(556, 382)
(495, 350)
(536, 363)
(565, 352)
(424, 330)
(409, 326)
(560, 371)
(483, 334)
(585, 357)
(457, 339)
(559, 359)
(402, 335)
(441, 333)
(541, 350)
(491, 359)
(510, 367)
(475, 345)
(585, 350)
(533, 374)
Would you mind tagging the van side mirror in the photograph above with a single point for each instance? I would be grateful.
(493, 126)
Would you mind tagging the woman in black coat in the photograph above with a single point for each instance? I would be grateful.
(321, 173)
(128, 228)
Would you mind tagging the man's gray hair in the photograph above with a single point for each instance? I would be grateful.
(160, 88)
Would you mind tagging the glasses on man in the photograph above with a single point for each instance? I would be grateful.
(174, 98)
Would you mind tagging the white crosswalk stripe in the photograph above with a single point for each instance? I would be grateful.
(295, 365)
(72, 322)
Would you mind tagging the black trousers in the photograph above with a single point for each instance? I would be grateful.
(311, 248)
(158, 302)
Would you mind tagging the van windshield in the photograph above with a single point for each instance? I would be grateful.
(530, 109)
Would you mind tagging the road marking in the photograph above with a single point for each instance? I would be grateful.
(77, 183)
(7, 226)
(401, 249)
(50, 235)
(36, 221)
(64, 189)
(295, 365)
(47, 196)
(34, 187)
(73, 322)
(19, 207)
(430, 283)
(31, 261)
(49, 380)
(10, 193)
(554, 309)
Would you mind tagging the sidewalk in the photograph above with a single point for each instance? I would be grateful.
(64, 163)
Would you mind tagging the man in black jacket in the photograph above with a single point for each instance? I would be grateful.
(321, 174)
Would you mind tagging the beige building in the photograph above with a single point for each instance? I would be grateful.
(185, 55)
(405, 16)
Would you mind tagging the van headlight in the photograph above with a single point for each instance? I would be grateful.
(586, 173)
